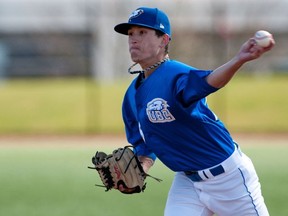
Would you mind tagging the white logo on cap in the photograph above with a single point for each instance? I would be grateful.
(162, 26)
(136, 13)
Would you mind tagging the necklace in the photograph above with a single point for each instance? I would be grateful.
(147, 69)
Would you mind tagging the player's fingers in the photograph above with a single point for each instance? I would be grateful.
(252, 41)
(248, 46)
(271, 45)
(254, 51)
(120, 187)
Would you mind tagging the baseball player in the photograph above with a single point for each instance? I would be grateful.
(166, 116)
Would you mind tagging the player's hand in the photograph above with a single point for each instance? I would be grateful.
(250, 50)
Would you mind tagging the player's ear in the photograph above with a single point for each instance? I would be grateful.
(165, 40)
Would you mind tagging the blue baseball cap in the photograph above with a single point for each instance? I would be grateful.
(146, 17)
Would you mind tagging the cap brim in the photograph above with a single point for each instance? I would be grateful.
(123, 28)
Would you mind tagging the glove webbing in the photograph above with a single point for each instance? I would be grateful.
(108, 178)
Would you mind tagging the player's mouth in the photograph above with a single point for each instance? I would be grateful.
(134, 49)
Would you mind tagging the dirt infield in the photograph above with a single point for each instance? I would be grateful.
(261, 139)
(120, 140)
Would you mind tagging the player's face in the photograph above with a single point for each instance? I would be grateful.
(145, 46)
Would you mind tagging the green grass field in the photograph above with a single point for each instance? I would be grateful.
(49, 177)
(68, 106)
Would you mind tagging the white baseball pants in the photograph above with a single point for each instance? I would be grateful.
(237, 193)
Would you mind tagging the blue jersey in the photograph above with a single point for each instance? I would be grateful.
(167, 117)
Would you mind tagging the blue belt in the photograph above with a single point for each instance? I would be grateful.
(194, 175)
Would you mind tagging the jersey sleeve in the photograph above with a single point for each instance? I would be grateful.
(133, 130)
(193, 86)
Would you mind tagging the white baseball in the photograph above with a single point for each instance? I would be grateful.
(263, 38)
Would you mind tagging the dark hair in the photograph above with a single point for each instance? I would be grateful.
(160, 34)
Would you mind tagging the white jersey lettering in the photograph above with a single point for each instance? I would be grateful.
(157, 111)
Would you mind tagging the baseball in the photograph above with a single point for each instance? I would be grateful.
(263, 38)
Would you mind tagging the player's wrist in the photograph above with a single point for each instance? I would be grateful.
(238, 61)
(146, 162)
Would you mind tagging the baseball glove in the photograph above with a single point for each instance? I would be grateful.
(121, 169)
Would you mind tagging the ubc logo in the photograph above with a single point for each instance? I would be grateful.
(157, 111)
(136, 13)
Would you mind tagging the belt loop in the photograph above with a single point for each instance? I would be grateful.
(203, 175)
